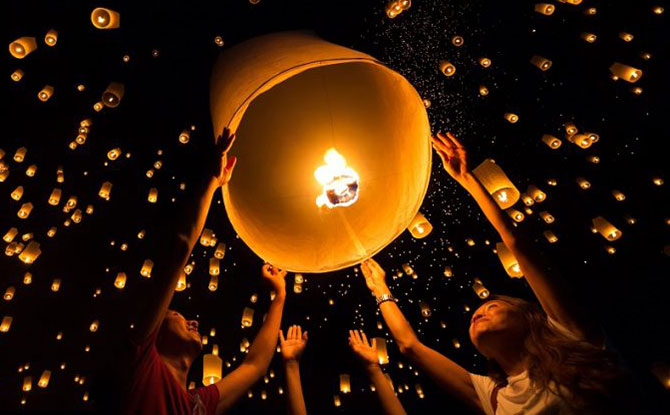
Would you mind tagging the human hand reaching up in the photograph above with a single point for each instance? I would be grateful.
(453, 154)
(222, 168)
(276, 277)
(375, 277)
(294, 344)
(366, 352)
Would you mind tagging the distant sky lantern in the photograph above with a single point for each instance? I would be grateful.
(546, 216)
(537, 194)
(25, 210)
(211, 369)
(447, 68)
(10, 235)
(181, 283)
(541, 62)
(581, 140)
(20, 154)
(626, 37)
(483, 90)
(51, 37)
(425, 309)
(382, 352)
(184, 136)
(55, 285)
(496, 182)
(17, 75)
(17, 193)
(345, 383)
(516, 215)
(618, 195)
(606, 229)
(27, 383)
(214, 266)
(105, 18)
(247, 317)
(44, 379)
(545, 8)
(511, 117)
(114, 153)
(550, 236)
(314, 97)
(625, 72)
(94, 326)
(31, 170)
(658, 10)
(120, 280)
(457, 41)
(153, 195)
(147, 266)
(98, 106)
(213, 283)
(551, 141)
(588, 37)
(508, 261)
(105, 190)
(571, 128)
(45, 93)
(113, 94)
(22, 47)
(30, 253)
(479, 289)
(591, 11)
(419, 227)
(220, 251)
(9, 293)
(6, 324)
(484, 62)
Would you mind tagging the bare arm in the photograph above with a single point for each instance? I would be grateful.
(172, 251)
(449, 375)
(367, 353)
(551, 291)
(256, 363)
(291, 349)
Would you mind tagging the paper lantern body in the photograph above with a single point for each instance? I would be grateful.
(290, 97)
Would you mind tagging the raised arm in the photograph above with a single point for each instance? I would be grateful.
(367, 353)
(256, 363)
(291, 350)
(444, 371)
(171, 251)
(550, 289)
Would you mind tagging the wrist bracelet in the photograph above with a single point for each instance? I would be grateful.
(386, 297)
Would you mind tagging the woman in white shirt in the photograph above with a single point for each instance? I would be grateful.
(545, 359)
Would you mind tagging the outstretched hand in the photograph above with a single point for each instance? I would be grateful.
(375, 277)
(294, 344)
(224, 165)
(453, 155)
(366, 352)
(276, 277)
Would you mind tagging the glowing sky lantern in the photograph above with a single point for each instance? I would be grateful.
(333, 148)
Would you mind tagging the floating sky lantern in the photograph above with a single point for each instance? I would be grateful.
(113, 94)
(606, 229)
(447, 68)
(545, 8)
(508, 261)
(306, 96)
(22, 47)
(496, 182)
(17, 75)
(551, 141)
(419, 227)
(541, 62)
(211, 369)
(345, 383)
(51, 37)
(625, 72)
(103, 18)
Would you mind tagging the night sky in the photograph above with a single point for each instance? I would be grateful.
(171, 48)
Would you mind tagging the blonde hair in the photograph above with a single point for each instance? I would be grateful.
(583, 375)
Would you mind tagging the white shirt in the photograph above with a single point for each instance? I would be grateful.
(519, 397)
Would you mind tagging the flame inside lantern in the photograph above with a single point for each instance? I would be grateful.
(340, 183)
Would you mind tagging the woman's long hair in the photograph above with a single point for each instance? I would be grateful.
(583, 375)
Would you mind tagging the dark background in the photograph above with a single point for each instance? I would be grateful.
(627, 291)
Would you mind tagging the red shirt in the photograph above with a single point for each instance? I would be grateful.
(153, 390)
